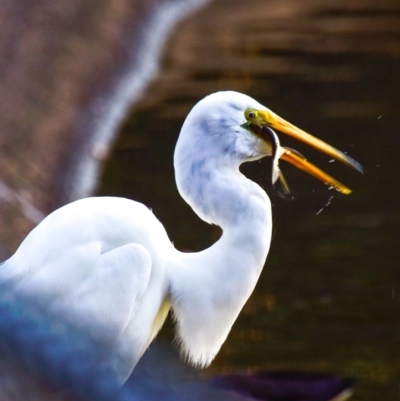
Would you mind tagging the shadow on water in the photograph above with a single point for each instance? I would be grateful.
(329, 297)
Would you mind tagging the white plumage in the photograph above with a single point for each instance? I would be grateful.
(107, 265)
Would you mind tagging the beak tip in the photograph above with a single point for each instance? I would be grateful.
(355, 164)
(344, 190)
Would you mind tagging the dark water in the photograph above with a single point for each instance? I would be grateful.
(329, 296)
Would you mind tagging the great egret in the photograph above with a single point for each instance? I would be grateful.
(107, 265)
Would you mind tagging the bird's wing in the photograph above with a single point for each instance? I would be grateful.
(106, 301)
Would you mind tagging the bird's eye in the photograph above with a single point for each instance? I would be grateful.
(250, 115)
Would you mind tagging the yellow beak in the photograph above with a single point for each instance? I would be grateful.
(301, 163)
(270, 119)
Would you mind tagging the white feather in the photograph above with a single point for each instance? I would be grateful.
(108, 266)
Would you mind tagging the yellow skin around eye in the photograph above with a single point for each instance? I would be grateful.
(255, 117)
(251, 115)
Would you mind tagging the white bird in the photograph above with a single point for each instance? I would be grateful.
(106, 265)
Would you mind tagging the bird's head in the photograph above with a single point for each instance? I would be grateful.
(233, 128)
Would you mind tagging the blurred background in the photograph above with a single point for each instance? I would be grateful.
(329, 296)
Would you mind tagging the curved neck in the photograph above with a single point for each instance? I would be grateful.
(209, 288)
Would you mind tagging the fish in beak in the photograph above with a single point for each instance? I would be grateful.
(261, 122)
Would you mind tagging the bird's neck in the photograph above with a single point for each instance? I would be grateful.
(209, 288)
